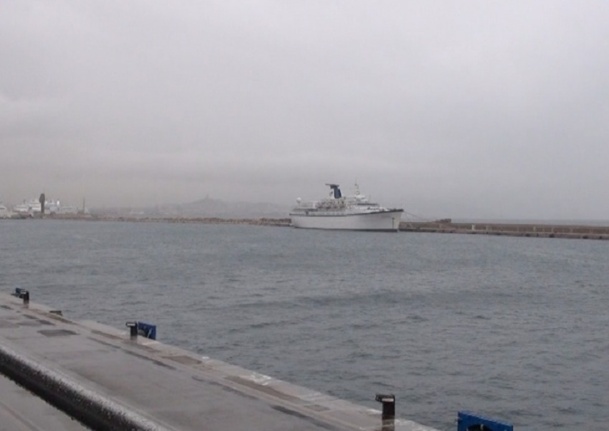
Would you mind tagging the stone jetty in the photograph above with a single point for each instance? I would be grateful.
(537, 230)
(510, 229)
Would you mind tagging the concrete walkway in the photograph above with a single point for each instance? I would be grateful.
(111, 381)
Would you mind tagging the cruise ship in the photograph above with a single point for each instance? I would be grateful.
(338, 212)
(4, 211)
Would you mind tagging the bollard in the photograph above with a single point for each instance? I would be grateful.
(23, 294)
(388, 401)
(132, 329)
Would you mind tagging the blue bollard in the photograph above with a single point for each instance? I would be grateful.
(468, 421)
(146, 330)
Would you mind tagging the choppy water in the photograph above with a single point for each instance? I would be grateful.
(516, 328)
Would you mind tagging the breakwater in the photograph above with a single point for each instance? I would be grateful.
(539, 230)
(285, 222)
(263, 221)
(509, 229)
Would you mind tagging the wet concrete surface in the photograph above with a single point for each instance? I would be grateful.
(112, 381)
(20, 410)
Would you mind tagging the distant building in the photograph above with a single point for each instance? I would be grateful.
(33, 207)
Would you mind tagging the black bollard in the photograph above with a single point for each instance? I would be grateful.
(25, 294)
(132, 329)
(388, 401)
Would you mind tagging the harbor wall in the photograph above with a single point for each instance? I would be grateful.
(536, 230)
(509, 229)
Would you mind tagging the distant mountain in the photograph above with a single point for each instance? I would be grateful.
(207, 207)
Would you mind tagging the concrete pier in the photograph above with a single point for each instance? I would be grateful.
(510, 229)
(109, 380)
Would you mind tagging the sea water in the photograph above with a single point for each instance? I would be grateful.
(513, 328)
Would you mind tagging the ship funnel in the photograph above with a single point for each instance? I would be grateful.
(335, 190)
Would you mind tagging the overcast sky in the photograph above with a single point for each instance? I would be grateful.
(477, 109)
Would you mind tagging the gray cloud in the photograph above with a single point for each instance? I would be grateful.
(457, 109)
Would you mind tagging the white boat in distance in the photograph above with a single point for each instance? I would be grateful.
(340, 212)
(4, 211)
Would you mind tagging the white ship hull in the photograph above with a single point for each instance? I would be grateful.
(388, 221)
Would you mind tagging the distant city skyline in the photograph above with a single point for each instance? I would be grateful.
(492, 110)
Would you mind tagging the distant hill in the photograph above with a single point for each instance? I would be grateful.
(217, 208)
(207, 207)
